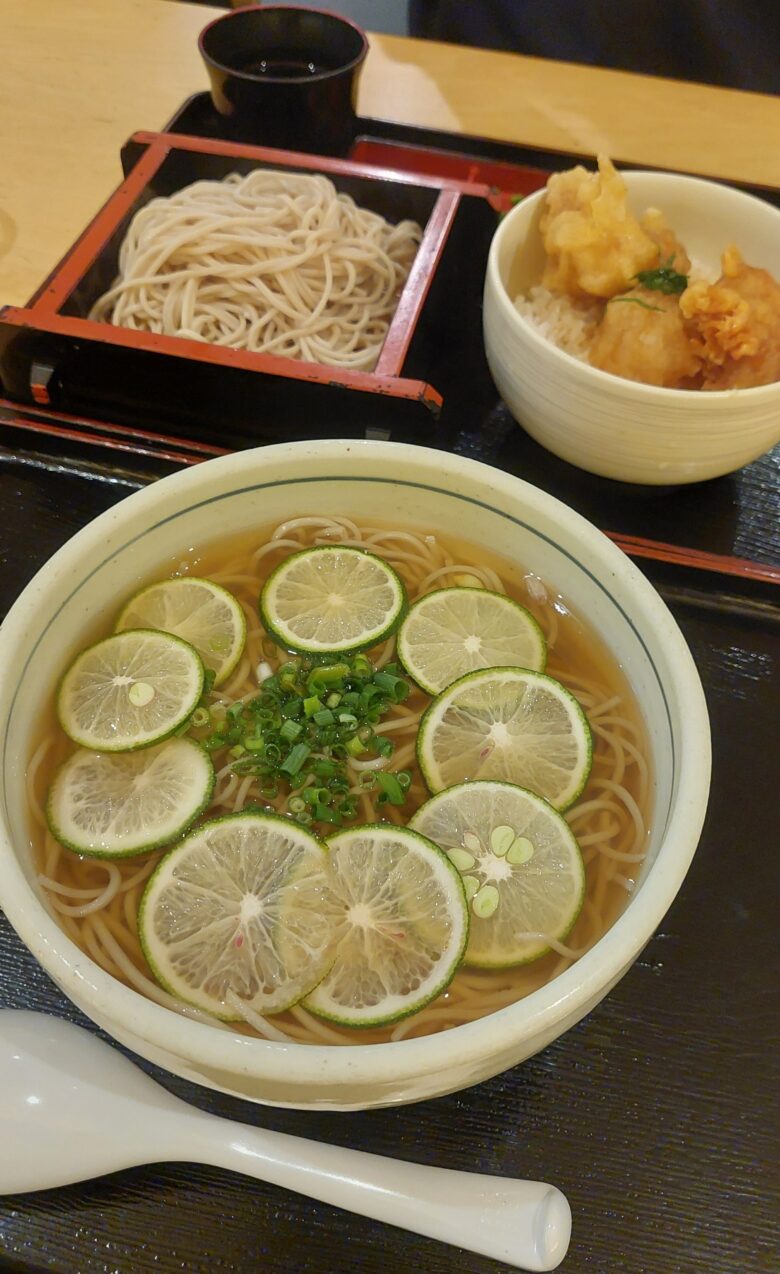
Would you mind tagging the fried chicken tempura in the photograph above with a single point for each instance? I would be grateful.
(734, 325)
(617, 290)
(642, 337)
(672, 252)
(595, 245)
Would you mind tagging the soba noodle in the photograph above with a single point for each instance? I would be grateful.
(273, 262)
(96, 902)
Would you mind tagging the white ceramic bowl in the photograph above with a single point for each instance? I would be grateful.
(614, 427)
(406, 486)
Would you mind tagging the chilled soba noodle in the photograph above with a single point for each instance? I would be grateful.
(96, 902)
(273, 262)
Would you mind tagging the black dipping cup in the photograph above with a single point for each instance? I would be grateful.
(286, 77)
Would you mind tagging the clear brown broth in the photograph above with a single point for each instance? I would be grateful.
(577, 656)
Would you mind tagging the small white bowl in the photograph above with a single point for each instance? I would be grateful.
(405, 486)
(603, 423)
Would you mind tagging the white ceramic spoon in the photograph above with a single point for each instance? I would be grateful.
(73, 1108)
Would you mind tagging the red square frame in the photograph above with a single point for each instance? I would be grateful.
(43, 311)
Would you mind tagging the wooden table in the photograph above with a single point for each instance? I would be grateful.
(655, 1114)
(78, 77)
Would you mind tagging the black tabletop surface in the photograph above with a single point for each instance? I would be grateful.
(657, 1114)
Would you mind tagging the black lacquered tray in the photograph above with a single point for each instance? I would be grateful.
(655, 1114)
(658, 1113)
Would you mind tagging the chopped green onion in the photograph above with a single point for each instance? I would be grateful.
(396, 687)
(313, 795)
(296, 734)
(391, 788)
(290, 730)
(324, 769)
(329, 675)
(295, 759)
(368, 696)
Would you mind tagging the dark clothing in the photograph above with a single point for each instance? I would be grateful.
(733, 43)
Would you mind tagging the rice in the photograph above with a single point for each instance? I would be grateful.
(571, 325)
(568, 324)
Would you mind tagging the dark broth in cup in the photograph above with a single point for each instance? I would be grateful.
(282, 64)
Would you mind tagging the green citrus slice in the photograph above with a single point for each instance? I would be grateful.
(332, 599)
(239, 909)
(521, 866)
(201, 613)
(112, 804)
(507, 724)
(129, 691)
(402, 928)
(454, 631)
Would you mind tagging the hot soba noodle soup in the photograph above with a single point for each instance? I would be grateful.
(272, 262)
(476, 845)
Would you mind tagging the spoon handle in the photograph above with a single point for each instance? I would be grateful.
(527, 1224)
